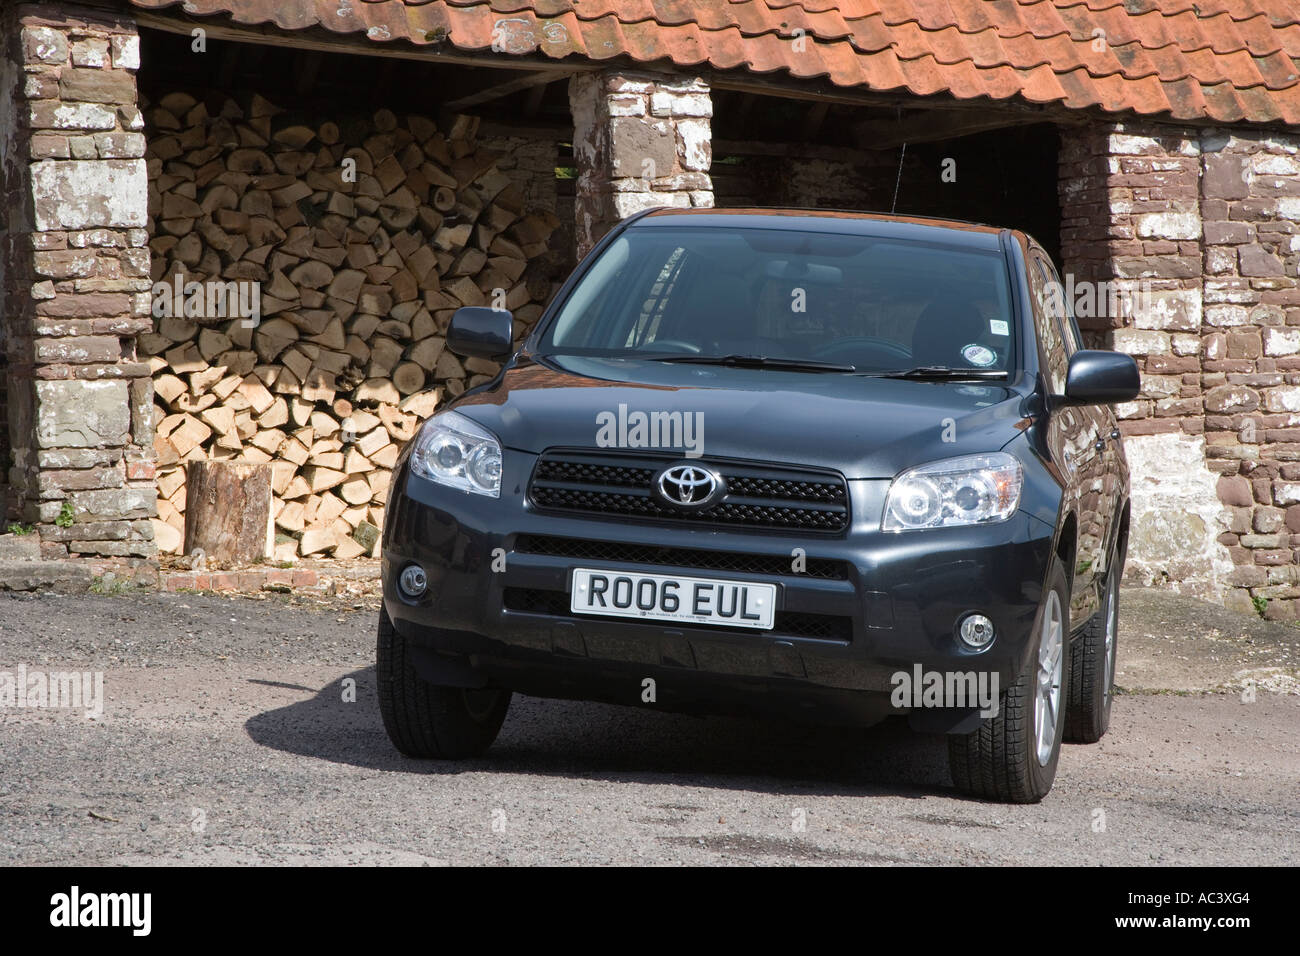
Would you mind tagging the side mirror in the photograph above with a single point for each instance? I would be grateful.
(1098, 377)
(481, 332)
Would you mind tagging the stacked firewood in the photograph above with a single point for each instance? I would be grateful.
(363, 238)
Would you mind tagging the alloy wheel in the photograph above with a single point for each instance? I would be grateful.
(1112, 627)
(1047, 697)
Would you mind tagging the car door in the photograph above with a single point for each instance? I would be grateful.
(1107, 498)
(1080, 435)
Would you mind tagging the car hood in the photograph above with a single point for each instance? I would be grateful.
(862, 427)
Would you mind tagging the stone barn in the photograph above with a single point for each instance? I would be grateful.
(236, 229)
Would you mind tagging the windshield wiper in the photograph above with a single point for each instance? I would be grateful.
(755, 361)
(940, 373)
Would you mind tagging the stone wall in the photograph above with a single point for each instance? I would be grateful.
(1130, 216)
(1250, 212)
(639, 140)
(75, 276)
(1209, 219)
(819, 183)
(15, 215)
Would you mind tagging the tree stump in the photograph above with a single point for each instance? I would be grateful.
(228, 511)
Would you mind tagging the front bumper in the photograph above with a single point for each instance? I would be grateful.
(496, 608)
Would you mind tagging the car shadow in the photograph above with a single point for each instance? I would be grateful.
(608, 742)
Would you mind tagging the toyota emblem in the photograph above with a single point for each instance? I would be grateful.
(688, 486)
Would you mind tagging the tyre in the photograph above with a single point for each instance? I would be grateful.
(427, 720)
(1012, 757)
(1092, 670)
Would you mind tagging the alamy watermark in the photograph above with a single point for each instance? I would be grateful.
(1104, 299)
(624, 429)
(214, 299)
(67, 690)
(129, 910)
(920, 688)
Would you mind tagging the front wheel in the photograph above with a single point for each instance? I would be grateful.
(1012, 757)
(429, 720)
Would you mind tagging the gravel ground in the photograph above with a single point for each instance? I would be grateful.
(226, 738)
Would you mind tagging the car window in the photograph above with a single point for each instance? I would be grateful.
(1060, 306)
(1049, 298)
(874, 303)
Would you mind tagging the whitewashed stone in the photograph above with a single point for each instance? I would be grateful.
(626, 105)
(126, 52)
(1282, 399)
(630, 203)
(90, 52)
(1226, 316)
(1140, 342)
(45, 45)
(70, 194)
(1284, 341)
(1169, 225)
(92, 116)
(696, 149)
(77, 414)
(1176, 516)
(1271, 165)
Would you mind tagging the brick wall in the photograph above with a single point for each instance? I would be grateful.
(1250, 204)
(639, 140)
(1130, 216)
(76, 275)
(15, 213)
(1208, 219)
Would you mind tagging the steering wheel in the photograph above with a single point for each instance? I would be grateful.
(858, 341)
(669, 345)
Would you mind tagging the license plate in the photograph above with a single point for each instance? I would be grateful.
(660, 597)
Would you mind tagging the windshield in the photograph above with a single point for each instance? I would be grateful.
(865, 303)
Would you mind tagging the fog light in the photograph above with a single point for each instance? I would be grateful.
(976, 631)
(412, 581)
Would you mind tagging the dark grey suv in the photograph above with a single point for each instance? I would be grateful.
(820, 466)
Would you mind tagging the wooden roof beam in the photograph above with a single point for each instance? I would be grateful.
(497, 90)
(934, 126)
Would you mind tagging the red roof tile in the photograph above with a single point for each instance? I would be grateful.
(1224, 60)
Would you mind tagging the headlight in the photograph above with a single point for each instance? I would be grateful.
(977, 489)
(452, 450)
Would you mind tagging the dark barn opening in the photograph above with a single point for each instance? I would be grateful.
(770, 151)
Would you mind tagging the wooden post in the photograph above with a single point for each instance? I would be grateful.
(228, 511)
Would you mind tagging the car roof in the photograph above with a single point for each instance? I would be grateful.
(843, 221)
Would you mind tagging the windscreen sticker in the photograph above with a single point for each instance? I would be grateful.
(999, 327)
(978, 355)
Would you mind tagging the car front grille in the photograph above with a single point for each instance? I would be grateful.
(695, 558)
(827, 627)
(770, 497)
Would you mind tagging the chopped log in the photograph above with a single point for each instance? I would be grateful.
(443, 199)
(228, 511)
(359, 278)
(408, 377)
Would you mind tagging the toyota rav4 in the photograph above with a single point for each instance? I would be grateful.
(820, 466)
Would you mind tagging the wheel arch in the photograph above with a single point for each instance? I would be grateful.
(1066, 541)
